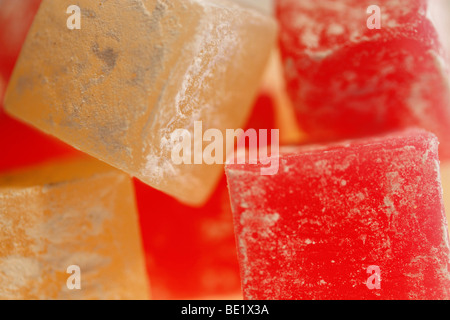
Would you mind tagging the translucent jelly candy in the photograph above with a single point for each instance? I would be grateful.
(362, 219)
(76, 213)
(28, 146)
(191, 251)
(21, 145)
(349, 80)
(137, 70)
(15, 20)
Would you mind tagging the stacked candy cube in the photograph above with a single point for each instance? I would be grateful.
(354, 209)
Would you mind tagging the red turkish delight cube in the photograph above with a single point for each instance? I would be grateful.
(349, 80)
(361, 219)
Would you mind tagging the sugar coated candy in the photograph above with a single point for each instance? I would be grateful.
(15, 20)
(134, 72)
(350, 76)
(191, 251)
(69, 230)
(360, 219)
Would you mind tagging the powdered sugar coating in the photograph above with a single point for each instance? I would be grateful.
(312, 230)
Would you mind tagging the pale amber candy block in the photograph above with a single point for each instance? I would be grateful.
(445, 176)
(134, 73)
(79, 212)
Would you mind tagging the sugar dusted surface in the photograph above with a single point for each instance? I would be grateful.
(79, 212)
(311, 231)
(346, 80)
(120, 87)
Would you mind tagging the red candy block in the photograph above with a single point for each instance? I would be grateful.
(347, 80)
(190, 252)
(21, 145)
(362, 219)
